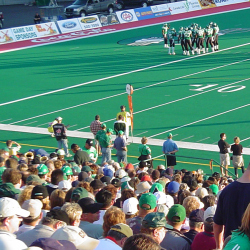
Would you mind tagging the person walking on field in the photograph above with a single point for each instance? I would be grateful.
(126, 118)
(224, 155)
(238, 161)
(95, 126)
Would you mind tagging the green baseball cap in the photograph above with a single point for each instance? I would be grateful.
(86, 169)
(148, 199)
(103, 125)
(33, 177)
(214, 188)
(177, 213)
(156, 187)
(110, 130)
(155, 220)
(42, 169)
(67, 170)
(120, 132)
(169, 135)
(125, 185)
(79, 193)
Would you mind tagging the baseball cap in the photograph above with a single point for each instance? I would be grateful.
(86, 169)
(64, 185)
(76, 170)
(42, 169)
(59, 118)
(89, 142)
(88, 205)
(39, 190)
(155, 220)
(161, 197)
(201, 192)
(129, 166)
(103, 125)
(156, 187)
(129, 206)
(82, 175)
(169, 135)
(108, 172)
(122, 228)
(142, 187)
(126, 185)
(120, 173)
(79, 193)
(34, 178)
(116, 182)
(105, 180)
(120, 132)
(60, 152)
(125, 178)
(8, 190)
(214, 188)
(58, 214)
(110, 130)
(197, 215)
(97, 184)
(146, 178)
(52, 244)
(77, 236)
(169, 171)
(209, 212)
(173, 187)
(34, 206)
(147, 199)
(10, 207)
(169, 201)
(177, 211)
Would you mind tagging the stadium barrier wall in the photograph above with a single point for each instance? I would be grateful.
(96, 21)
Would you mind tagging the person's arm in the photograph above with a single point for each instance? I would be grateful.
(17, 144)
(218, 235)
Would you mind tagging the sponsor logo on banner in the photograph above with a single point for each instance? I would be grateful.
(69, 25)
(126, 16)
(227, 2)
(25, 32)
(46, 29)
(146, 13)
(108, 19)
(6, 36)
(89, 22)
(205, 4)
(160, 8)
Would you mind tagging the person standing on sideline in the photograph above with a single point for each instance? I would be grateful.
(119, 125)
(61, 137)
(37, 18)
(98, 135)
(224, 155)
(164, 31)
(126, 118)
(120, 146)
(90, 150)
(95, 126)
(170, 148)
(106, 145)
(238, 161)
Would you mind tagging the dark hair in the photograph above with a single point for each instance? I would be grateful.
(141, 242)
(221, 135)
(11, 163)
(208, 225)
(97, 117)
(126, 194)
(56, 176)
(74, 147)
(104, 197)
(208, 201)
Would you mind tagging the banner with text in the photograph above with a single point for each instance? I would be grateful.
(108, 19)
(126, 16)
(89, 22)
(146, 13)
(227, 2)
(46, 29)
(69, 25)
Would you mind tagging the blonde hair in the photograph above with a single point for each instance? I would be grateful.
(57, 198)
(236, 139)
(113, 216)
(245, 222)
(144, 140)
(190, 203)
(73, 210)
(25, 194)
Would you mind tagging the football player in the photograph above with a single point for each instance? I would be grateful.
(187, 41)
(209, 38)
(181, 38)
(165, 28)
(171, 37)
(216, 36)
(200, 40)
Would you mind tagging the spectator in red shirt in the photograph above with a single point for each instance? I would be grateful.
(95, 126)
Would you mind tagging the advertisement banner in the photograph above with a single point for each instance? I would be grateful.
(126, 16)
(207, 4)
(89, 22)
(6, 36)
(108, 19)
(25, 32)
(227, 2)
(46, 29)
(146, 13)
(69, 25)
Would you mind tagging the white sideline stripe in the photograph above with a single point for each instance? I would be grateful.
(204, 119)
(118, 75)
(136, 140)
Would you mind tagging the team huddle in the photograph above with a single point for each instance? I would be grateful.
(192, 36)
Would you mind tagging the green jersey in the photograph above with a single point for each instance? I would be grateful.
(200, 33)
(194, 32)
(99, 133)
(164, 30)
(209, 32)
(144, 149)
(187, 34)
(1, 173)
(105, 140)
(181, 34)
(216, 30)
(92, 153)
(171, 34)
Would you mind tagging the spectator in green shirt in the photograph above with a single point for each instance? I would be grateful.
(106, 145)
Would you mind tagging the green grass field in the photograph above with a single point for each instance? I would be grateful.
(195, 97)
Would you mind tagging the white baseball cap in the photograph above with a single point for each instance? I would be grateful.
(10, 207)
(64, 185)
(169, 201)
(120, 173)
(209, 212)
(161, 197)
(59, 118)
(77, 236)
(60, 152)
(129, 206)
(34, 206)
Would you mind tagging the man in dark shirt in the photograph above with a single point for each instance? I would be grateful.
(61, 137)
(224, 156)
(80, 157)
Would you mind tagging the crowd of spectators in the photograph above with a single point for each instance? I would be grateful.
(48, 202)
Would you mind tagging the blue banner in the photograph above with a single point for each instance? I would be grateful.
(147, 13)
